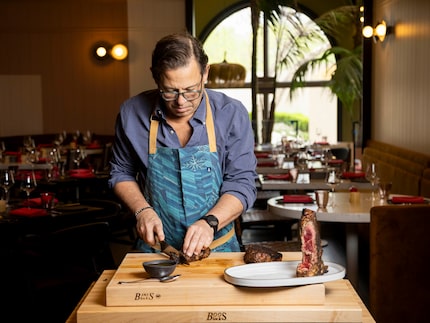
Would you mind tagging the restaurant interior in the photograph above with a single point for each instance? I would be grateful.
(57, 93)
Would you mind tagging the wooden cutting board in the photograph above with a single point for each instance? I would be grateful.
(342, 304)
(202, 283)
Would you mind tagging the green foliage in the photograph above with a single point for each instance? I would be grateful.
(347, 77)
(303, 121)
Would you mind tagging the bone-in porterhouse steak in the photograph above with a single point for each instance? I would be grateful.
(312, 264)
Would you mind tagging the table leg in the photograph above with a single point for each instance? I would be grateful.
(352, 254)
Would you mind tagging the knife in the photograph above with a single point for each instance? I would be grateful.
(173, 253)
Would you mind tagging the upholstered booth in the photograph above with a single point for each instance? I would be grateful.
(403, 167)
(399, 242)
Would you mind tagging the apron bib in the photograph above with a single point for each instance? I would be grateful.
(182, 185)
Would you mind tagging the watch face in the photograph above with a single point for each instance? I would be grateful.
(212, 220)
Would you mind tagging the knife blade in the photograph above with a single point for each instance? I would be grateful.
(172, 252)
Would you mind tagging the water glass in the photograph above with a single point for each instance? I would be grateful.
(321, 197)
(384, 189)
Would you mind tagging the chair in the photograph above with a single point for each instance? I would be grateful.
(399, 242)
(58, 268)
(266, 223)
(341, 153)
(122, 223)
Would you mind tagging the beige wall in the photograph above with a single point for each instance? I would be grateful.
(148, 21)
(401, 75)
(51, 41)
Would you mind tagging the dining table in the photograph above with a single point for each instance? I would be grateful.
(25, 217)
(342, 210)
(269, 183)
(205, 291)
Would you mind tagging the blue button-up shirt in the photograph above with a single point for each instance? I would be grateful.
(234, 139)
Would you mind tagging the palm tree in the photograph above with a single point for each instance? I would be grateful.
(347, 78)
(293, 39)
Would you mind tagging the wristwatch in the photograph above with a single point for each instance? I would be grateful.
(212, 220)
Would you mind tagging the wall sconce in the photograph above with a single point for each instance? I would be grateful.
(103, 51)
(379, 32)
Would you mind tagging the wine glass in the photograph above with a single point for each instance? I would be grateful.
(2, 150)
(326, 156)
(372, 176)
(302, 159)
(332, 179)
(28, 184)
(79, 156)
(6, 182)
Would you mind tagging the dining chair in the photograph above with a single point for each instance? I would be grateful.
(122, 222)
(58, 268)
(264, 223)
(399, 242)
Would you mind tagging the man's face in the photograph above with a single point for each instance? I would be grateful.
(189, 82)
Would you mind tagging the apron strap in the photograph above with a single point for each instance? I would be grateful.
(153, 130)
(210, 128)
(221, 240)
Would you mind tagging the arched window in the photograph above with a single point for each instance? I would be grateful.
(311, 113)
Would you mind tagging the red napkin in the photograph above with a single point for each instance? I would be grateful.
(38, 174)
(278, 176)
(267, 164)
(29, 212)
(81, 173)
(407, 199)
(262, 155)
(93, 145)
(297, 199)
(37, 201)
(335, 161)
(16, 156)
(353, 175)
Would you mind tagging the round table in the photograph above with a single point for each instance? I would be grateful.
(343, 211)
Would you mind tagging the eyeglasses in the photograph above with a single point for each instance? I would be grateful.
(189, 95)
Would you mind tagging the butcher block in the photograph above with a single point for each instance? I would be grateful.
(202, 283)
(341, 303)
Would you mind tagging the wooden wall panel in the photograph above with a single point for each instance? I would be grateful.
(53, 39)
(21, 105)
(401, 75)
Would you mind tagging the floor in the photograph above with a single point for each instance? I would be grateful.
(334, 251)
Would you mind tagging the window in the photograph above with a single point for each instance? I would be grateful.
(313, 106)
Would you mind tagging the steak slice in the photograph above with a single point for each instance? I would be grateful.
(258, 253)
(312, 264)
(185, 260)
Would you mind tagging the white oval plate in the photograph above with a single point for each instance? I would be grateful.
(277, 274)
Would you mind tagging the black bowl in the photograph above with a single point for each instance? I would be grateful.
(159, 268)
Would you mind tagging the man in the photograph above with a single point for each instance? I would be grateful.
(183, 157)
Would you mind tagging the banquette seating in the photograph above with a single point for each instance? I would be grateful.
(398, 287)
(409, 171)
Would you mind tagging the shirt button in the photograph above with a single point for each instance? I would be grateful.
(172, 131)
(209, 169)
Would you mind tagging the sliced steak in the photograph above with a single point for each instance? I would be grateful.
(312, 264)
(258, 253)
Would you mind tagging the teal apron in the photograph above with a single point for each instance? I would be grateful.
(182, 185)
